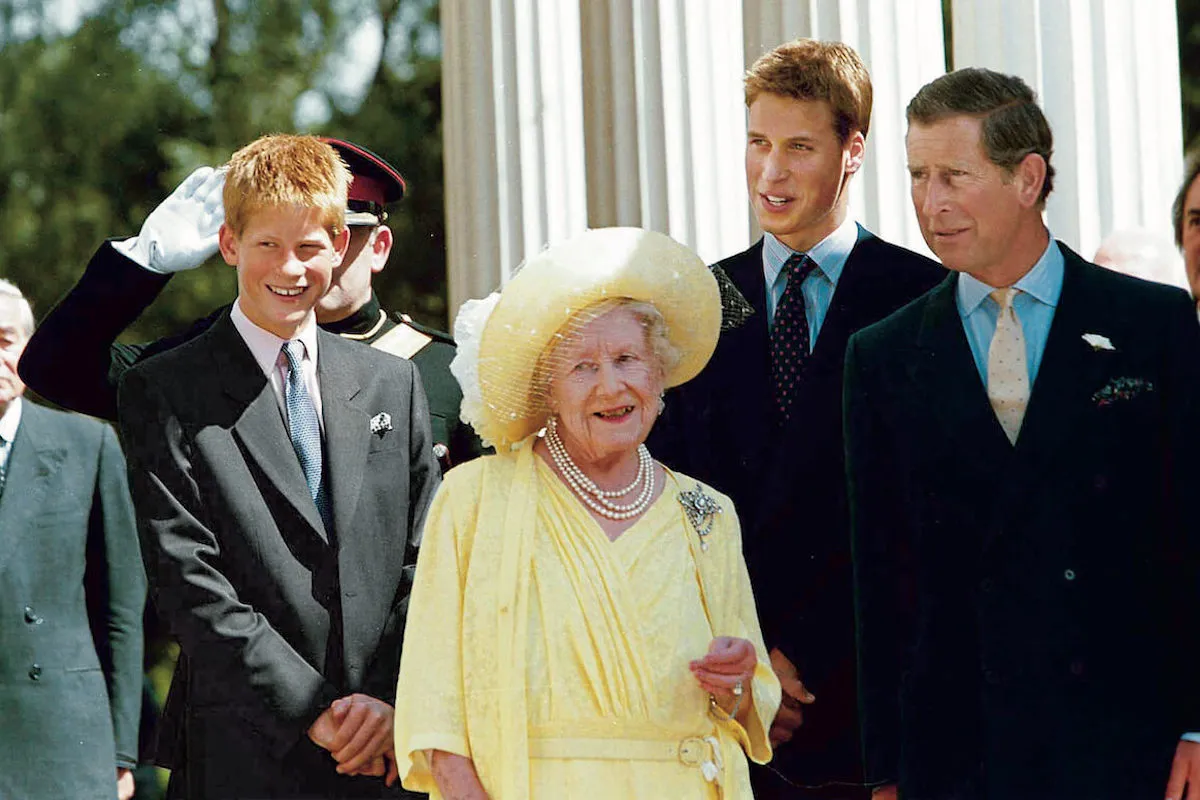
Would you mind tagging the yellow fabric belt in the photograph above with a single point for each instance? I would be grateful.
(691, 751)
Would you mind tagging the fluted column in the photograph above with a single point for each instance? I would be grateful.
(662, 88)
(1107, 75)
(513, 127)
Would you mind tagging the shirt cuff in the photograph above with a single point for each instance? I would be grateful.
(1191, 737)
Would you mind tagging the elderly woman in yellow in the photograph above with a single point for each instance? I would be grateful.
(581, 624)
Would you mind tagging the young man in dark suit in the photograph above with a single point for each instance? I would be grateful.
(71, 594)
(762, 422)
(1022, 453)
(74, 359)
(281, 476)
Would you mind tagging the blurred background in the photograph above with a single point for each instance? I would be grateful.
(106, 105)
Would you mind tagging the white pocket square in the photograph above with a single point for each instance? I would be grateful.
(1098, 342)
(381, 423)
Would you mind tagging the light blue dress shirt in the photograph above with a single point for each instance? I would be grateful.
(1040, 289)
(830, 255)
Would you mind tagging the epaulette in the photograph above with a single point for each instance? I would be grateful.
(432, 333)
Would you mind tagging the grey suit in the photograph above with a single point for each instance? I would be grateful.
(276, 617)
(71, 595)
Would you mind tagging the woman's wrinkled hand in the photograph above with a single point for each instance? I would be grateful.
(729, 661)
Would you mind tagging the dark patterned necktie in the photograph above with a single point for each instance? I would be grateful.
(789, 335)
(304, 428)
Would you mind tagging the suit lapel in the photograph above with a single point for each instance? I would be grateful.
(34, 458)
(947, 380)
(745, 356)
(1069, 372)
(347, 433)
(259, 424)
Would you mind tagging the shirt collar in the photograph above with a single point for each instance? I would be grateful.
(10, 420)
(830, 253)
(265, 346)
(1043, 283)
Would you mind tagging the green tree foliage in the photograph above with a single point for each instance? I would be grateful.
(100, 122)
(1189, 67)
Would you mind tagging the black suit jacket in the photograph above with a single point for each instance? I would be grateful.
(1027, 614)
(275, 616)
(71, 594)
(788, 484)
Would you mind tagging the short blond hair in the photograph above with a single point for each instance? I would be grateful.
(286, 170)
(809, 69)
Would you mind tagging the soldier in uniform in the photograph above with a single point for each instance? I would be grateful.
(73, 358)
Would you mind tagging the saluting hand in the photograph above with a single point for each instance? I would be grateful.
(181, 233)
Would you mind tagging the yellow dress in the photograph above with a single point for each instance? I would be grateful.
(599, 701)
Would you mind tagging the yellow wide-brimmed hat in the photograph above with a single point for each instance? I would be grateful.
(553, 287)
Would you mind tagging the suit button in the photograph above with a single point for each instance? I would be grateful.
(991, 676)
(1100, 482)
(31, 617)
(987, 585)
(1077, 668)
(1069, 574)
(35, 672)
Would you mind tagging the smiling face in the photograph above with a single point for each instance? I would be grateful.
(604, 386)
(796, 168)
(285, 260)
(975, 216)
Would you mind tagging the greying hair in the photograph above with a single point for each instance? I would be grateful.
(1177, 210)
(9, 289)
(1013, 125)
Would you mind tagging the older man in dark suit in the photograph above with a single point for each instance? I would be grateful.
(281, 476)
(71, 594)
(762, 423)
(1022, 452)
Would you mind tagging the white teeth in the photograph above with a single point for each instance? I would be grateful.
(775, 201)
(292, 292)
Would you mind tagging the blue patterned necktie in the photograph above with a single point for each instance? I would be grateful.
(305, 429)
(789, 335)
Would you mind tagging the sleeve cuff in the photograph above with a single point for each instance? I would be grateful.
(1191, 737)
(137, 250)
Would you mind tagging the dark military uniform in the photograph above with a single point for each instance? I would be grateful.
(431, 351)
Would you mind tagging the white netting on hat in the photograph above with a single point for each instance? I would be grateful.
(506, 359)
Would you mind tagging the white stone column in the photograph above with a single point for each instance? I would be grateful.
(513, 127)
(1107, 75)
(902, 46)
(662, 88)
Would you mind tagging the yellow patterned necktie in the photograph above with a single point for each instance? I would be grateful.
(1008, 375)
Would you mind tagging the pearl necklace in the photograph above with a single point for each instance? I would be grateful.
(592, 495)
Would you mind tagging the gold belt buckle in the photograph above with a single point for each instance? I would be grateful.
(692, 751)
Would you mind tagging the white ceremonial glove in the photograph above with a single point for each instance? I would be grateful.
(181, 233)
